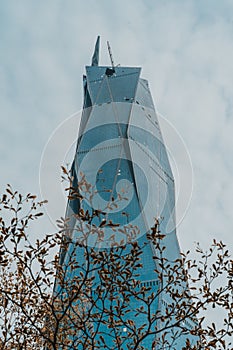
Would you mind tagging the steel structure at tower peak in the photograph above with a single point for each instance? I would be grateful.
(121, 151)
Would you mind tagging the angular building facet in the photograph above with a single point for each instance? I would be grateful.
(121, 151)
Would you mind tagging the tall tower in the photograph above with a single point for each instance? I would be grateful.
(121, 152)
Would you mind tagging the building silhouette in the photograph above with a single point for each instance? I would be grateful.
(121, 152)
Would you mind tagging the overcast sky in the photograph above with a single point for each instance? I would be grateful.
(185, 49)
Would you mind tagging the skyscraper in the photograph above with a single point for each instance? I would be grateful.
(121, 152)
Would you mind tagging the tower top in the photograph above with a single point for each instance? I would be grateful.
(95, 57)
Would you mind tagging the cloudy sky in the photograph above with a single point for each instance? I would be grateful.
(186, 52)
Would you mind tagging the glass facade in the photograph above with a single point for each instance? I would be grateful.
(120, 150)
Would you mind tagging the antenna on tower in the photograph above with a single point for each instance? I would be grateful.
(110, 54)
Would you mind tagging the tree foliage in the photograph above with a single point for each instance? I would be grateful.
(90, 303)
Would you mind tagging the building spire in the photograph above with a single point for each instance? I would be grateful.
(110, 54)
(95, 57)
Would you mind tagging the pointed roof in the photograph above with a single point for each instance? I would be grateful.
(95, 57)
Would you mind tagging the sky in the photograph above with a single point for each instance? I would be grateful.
(185, 50)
